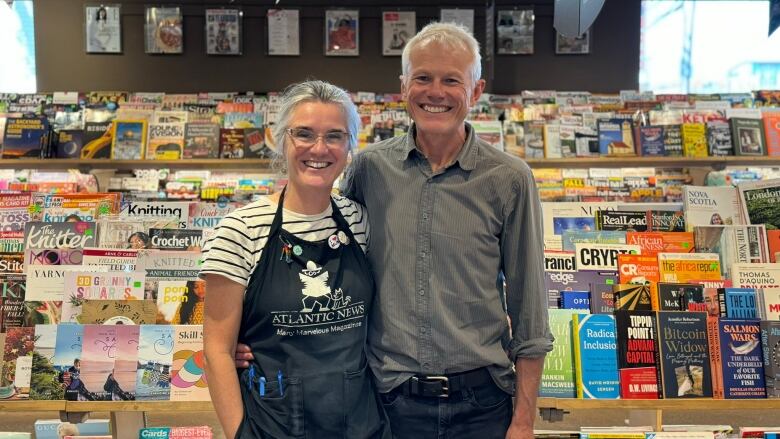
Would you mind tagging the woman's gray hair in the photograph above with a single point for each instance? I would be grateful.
(451, 35)
(314, 91)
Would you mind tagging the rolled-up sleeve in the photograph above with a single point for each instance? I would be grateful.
(522, 255)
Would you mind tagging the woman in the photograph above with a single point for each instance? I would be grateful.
(138, 240)
(288, 276)
(190, 311)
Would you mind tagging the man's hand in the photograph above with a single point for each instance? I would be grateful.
(517, 431)
(243, 356)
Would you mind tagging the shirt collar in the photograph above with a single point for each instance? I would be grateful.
(466, 159)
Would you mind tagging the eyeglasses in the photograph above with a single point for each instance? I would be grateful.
(306, 138)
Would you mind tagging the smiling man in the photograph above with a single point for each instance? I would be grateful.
(451, 218)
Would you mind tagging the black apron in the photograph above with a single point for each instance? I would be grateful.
(304, 317)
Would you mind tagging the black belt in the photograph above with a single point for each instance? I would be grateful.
(442, 386)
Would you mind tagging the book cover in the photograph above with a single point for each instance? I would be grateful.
(118, 312)
(758, 201)
(684, 353)
(231, 143)
(673, 145)
(201, 140)
(114, 259)
(80, 286)
(205, 215)
(773, 241)
(44, 384)
(97, 139)
(716, 359)
(180, 302)
(68, 144)
(67, 361)
(41, 312)
(770, 349)
(98, 356)
(128, 139)
(682, 267)
(601, 256)
(651, 140)
(14, 212)
(638, 357)
(572, 237)
(676, 296)
(155, 356)
(694, 139)
(632, 297)
(552, 141)
(59, 235)
(557, 281)
(166, 141)
(25, 137)
(595, 356)
(741, 359)
(711, 205)
(558, 373)
(734, 244)
(640, 270)
(666, 221)
(12, 305)
(771, 122)
(602, 299)
(560, 216)
(621, 220)
(178, 209)
(86, 206)
(737, 303)
(768, 303)
(616, 137)
(755, 275)
(176, 239)
(586, 141)
(12, 263)
(533, 130)
(719, 138)
(17, 363)
(188, 376)
(575, 300)
(653, 243)
(747, 136)
(126, 363)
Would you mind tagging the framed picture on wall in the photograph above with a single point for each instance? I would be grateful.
(164, 30)
(342, 32)
(572, 45)
(284, 30)
(398, 27)
(463, 17)
(515, 32)
(223, 31)
(103, 28)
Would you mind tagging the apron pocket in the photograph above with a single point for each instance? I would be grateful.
(361, 410)
(275, 414)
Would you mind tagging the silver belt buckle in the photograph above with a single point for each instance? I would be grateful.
(445, 387)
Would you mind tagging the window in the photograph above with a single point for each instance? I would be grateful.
(17, 47)
(707, 47)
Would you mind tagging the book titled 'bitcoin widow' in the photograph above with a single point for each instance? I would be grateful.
(684, 352)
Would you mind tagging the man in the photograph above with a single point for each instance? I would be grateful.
(449, 216)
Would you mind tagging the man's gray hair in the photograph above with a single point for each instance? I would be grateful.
(314, 91)
(454, 36)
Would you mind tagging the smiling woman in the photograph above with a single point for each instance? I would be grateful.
(17, 38)
(287, 276)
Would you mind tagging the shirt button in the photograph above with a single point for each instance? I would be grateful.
(425, 216)
(421, 292)
(426, 365)
(422, 330)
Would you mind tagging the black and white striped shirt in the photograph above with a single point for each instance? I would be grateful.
(238, 244)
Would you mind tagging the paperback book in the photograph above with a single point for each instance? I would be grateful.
(188, 375)
(17, 363)
(684, 353)
(741, 359)
(44, 384)
(155, 357)
(638, 357)
(595, 356)
(558, 373)
(770, 346)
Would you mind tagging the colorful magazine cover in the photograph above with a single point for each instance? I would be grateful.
(155, 358)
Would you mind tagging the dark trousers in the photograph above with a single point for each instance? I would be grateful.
(483, 412)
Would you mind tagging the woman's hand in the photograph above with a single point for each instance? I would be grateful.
(243, 356)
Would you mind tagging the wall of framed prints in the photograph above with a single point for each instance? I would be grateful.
(72, 53)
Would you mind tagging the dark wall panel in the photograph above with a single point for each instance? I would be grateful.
(62, 63)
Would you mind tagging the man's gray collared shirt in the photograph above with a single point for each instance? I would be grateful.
(439, 243)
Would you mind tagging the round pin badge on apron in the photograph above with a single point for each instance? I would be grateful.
(333, 242)
(343, 238)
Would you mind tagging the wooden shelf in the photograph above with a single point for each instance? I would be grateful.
(86, 164)
(659, 404)
(656, 162)
(264, 165)
(139, 406)
(31, 406)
